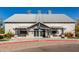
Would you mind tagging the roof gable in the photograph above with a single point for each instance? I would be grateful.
(39, 25)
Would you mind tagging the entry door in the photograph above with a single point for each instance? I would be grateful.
(36, 33)
(39, 33)
(42, 33)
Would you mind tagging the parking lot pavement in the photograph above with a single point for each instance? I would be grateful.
(40, 46)
(54, 48)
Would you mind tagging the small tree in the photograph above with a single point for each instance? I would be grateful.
(1, 31)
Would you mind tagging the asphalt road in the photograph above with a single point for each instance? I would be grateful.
(54, 48)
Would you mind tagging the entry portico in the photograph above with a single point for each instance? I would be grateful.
(39, 30)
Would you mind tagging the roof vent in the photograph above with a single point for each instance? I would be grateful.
(29, 11)
(39, 11)
(49, 12)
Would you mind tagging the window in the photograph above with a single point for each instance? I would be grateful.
(23, 32)
(54, 32)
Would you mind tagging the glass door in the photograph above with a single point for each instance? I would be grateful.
(36, 32)
(39, 33)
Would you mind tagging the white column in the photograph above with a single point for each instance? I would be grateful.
(39, 30)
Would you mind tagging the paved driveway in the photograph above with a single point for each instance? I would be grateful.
(41, 46)
(54, 48)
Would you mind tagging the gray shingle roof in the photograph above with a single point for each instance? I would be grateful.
(39, 18)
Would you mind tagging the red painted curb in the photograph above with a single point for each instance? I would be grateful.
(40, 41)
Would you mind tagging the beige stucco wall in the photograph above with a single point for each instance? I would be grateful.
(69, 27)
(11, 26)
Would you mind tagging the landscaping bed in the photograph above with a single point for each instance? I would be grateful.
(6, 37)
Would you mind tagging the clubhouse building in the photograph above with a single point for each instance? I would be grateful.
(39, 25)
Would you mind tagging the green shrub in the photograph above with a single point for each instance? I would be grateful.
(1, 31)
(9, 35)
(77, 34)
(5, 37)
(1, 37)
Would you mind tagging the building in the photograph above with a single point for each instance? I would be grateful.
(39, 25)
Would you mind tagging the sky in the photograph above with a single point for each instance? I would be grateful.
(6, 12)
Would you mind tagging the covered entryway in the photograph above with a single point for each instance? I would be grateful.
(39, 29)
(39, 33)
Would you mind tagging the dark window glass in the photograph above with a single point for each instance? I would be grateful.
(53, 32)
(23, 32)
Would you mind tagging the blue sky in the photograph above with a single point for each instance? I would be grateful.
(6, 12)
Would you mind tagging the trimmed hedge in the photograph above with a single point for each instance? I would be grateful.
(9, 35)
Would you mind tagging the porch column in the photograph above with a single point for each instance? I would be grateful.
(62, 31)
(39, 32)
(46, 33)
(49, 33)
(16, 33)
